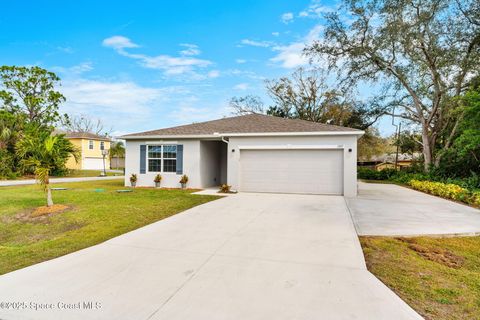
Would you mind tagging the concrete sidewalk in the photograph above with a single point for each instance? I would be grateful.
(7, 183)
(246, 256)
(391, 210)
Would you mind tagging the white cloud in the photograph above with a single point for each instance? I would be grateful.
(240, 61)
(316, 10)
(287, 17)
(191, 49)
(119, 43)
(119, 104)
(213, 74)
(241, 86)
(254, 43)
(275, 34)
(82, 67)
(291, 56)
(170, 65)
(74, 70)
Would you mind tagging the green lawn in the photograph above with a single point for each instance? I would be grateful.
(94, 217)
(438, 277)
(88, 173)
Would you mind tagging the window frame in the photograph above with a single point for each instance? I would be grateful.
(91, 145)
(161, 158)
(102, 145)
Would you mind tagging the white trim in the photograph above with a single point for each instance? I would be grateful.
(188, 136)
(257, 134)
(290, 146)
(315, 133)
(160, 142)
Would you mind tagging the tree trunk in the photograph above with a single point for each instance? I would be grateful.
(427, 150)
(49, 197)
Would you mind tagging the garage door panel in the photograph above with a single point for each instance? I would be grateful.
(93, 163)
(292, 171)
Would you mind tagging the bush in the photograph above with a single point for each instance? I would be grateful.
(370, 174)
(6, 165)
(225, 188)
(447, 190)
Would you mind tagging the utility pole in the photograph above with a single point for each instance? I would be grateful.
(398, 145)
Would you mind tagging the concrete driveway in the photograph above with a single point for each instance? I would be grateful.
(391, 210)
(247, 256)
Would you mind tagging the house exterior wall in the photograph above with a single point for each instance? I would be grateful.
(210, 163)
(346, 142)
(191, 164)
(71, 163)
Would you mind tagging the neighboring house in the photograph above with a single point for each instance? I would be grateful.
(401, 165)
(255, 153)
(90, 146)
(387, 161)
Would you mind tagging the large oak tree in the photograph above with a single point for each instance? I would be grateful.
(425, 52)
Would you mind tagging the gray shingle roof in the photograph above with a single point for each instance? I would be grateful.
(251, 123)
(86, 135)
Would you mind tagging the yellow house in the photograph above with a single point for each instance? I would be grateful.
(91, 148)
(401, 164)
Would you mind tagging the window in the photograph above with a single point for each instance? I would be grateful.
(170, 158)
(162, 158)
(102, 145)
(90, 144)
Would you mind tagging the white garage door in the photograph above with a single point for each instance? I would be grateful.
(292, 171)
(93, 164)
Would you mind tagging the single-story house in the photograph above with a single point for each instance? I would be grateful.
(401, 165)
(251, 153)
(91, 147)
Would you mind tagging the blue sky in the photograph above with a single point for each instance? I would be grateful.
(140, 65)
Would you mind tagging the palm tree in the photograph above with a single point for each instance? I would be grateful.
(43, 152)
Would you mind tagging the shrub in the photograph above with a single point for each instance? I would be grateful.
(225, 188)
(450, 190)
(447, 190)
(184, 179)
(133, 178)
(370, 174)
(158, 178)
(6, 165)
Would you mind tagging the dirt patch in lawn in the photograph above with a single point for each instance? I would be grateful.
(37, 215)
(44, 210)
(435, 254)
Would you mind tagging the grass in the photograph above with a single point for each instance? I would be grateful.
(87, 173)
(438, 277)
(97, 213)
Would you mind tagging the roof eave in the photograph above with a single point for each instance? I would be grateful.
(249, 134)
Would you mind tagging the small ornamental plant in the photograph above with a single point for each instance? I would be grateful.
(183, 181)
(133, 179)
(225, 188)
(157, 180)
